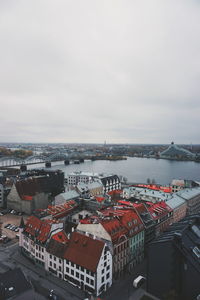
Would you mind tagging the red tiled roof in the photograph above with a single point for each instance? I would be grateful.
(27, 197)
(114, 228)
(115, 192)
(100, 199)
(60, 237)
(59, 211)
(158, 210)
(84, 251)
(38, 229)
(156, 187)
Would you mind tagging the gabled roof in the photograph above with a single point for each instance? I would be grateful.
(60, 237)
(59, 211)
(158, 210)
(58, 244)
(84, 251)
(39, 229)
(175, 201)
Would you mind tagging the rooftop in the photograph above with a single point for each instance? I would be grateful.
(84, 251)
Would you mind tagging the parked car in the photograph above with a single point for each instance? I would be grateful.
(7, 225)
(16, 229)
(138, 281)
(11, 227)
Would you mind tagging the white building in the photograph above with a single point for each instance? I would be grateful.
(110, 182)
(144, 194)
(77, 258)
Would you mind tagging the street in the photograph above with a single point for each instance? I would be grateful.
(43, 282)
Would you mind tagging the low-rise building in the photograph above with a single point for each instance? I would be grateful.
(123, 232)
(80, 259)
(66, 196)
(192, 197)
(178, 206)
(180, 184)
(161, 214)
(88, 263)
(144, 194)
(34, 237)
(110, 182)
(94, 188)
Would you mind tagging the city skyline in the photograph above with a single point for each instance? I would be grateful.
(85, 72)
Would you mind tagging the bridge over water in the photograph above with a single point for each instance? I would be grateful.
(12, 161)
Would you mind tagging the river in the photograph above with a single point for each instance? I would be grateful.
(137, 169)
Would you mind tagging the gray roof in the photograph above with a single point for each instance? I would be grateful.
(68, 195)
(187, 194)
(175, 201)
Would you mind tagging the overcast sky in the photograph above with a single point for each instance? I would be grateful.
(89, 71)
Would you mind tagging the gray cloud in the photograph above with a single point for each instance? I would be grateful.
(86, 71)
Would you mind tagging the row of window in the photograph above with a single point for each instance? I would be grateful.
(55, 258)
(54, 266)
(77, 267)
(79, 276)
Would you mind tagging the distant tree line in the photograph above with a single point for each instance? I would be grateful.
(21, 153)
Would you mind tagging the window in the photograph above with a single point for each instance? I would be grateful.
(102, 271)
(107, 275)
(82, 277)
(72, 272)
(77, 274)
(108, 267)
(54, 265)
(92, 282)
(50, 256)
(72, 264)
(60, 261)
(82, 269)
(67, 270)
(87, 280)
(102, 279)
(54, 258)
(50, 263)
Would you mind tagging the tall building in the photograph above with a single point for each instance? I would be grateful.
(173, 268)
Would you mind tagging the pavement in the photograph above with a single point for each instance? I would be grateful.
(10, 219)
(122, 289)
(10, 257)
